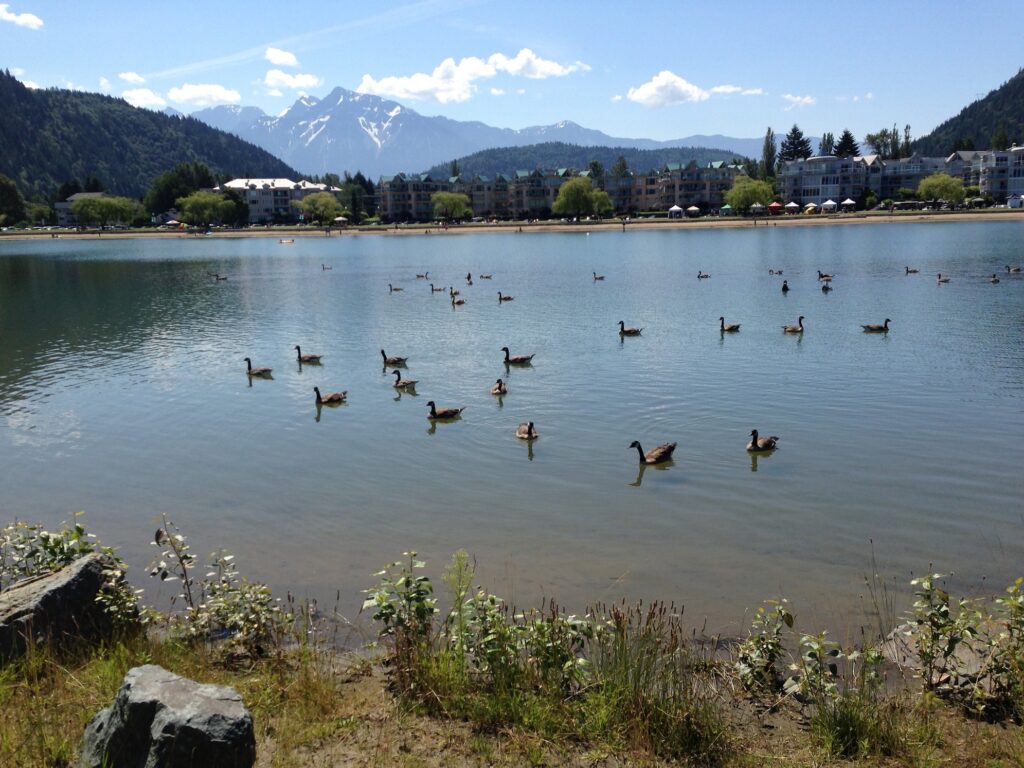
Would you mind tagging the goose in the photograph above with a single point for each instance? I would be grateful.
(1012, 269)
(771, 271)
(942, 279)
(761, 444)
(325, 267)
(824, 275)
(334, 398)
(442, 413)
(826, 288)
(436, 290)
(884, 328)
(657, 455)
(401, 383)
(393, 359)
(727, 328)
(702, 275)
(994, 279)
(598, 277)
(911, 271)
(517, 359)
(256, 371)
(526, 431)
(423, 276)
(624, 331)
(469, 278)
(392, 289)
(220, 277)
(486, 277)
(306, 358)
(785, 286)
(798, 328)
(505, 298)
(452, 291)
(457, 302)
(499, 388)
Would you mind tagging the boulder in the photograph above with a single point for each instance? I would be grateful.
(160, 719)
(59, 607)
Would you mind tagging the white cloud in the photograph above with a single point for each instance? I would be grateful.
(453, 81)
(752, 92)
(497, 91)
(132, 77)
(31, 84)
(869, 96)
(17, 71)
(104, 84)
(26, 20)
(204, 95)
(726, 89)
(280, 58)
(274, 92)
(666, 88)
(520, 91)
(798, 101)
(275, 79)
(617, 97)
(143, 97)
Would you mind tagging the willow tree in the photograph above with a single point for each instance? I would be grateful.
(450, 205)
(746, 191)
(321, 207)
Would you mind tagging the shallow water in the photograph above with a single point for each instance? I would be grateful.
(123, 392)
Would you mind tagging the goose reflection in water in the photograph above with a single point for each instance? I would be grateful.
(654, 467)
(755, 457)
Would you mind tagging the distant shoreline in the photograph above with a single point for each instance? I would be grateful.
(608, 225)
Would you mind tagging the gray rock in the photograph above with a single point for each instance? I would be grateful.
(59, 607)
(162, 720)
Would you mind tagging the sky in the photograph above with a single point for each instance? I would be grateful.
(656, 69)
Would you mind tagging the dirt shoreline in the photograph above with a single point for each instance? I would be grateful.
(613, 225)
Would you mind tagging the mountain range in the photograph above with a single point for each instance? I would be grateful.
(352, 131)
(992, 122)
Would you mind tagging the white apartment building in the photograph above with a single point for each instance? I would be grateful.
(270, 200)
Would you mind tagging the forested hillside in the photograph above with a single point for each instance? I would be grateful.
(994, 122)
(508, 160)
(50, 136)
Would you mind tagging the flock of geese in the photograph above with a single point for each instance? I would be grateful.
(527, 430)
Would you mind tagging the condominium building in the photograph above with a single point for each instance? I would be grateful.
(271, 200)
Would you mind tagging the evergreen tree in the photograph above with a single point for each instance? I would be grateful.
(621, 168)
(454, 170)
(847, 145)
(827, 145)
(93, 184)
(12, 204)
(906, 150)
(769, 155)
(67, 189)
(795, 146)
(1000, 140)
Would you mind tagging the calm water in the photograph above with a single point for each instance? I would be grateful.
(123, 392)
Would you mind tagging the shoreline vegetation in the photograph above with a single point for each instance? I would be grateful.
(551, 225)
(480, 683)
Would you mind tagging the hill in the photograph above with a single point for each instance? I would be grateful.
(50, 136)
(507, 160)
(982, 122)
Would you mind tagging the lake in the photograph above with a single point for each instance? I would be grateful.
(123, 393)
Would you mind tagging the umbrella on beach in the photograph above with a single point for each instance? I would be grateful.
(340, 219)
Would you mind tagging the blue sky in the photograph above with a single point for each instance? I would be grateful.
(656, 69)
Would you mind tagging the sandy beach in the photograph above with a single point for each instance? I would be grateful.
(607, 225)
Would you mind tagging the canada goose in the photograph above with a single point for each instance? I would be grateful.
(334, 398)
(598, 277)
(505, 298)
(306, 358)
(798, 328)
(392, 289)
(912, 271)
(774, 271)
(884, 328)
(393, 359)
(220, 277)
(256, 371)
(442, 413)
(517, 359)
(485, 277)
(702, 275)
(624, 331)
(994, 279)
(656, 455)
(785, 286)
(452, 291)
(401, 383)
(526, 431)
(826, 288)
(324, 267)
(942, 279)
(771, 271)
(457, 302)
(1012, 269)
(499, 388)
(469, 278)
(423, 276)
(824, 276)
(727, 328)
(436, 290)
(761, 444)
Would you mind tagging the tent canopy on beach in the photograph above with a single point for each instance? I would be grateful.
(791, 206)
(829, 205)
(340, 219)
(675, 212)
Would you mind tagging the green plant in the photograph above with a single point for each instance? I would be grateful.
(938, 632)
(817, 670)
(759, 655)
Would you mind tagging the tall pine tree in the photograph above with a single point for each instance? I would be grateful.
(847, 145)
(827, 144)
(769, 154)
(795, 146)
